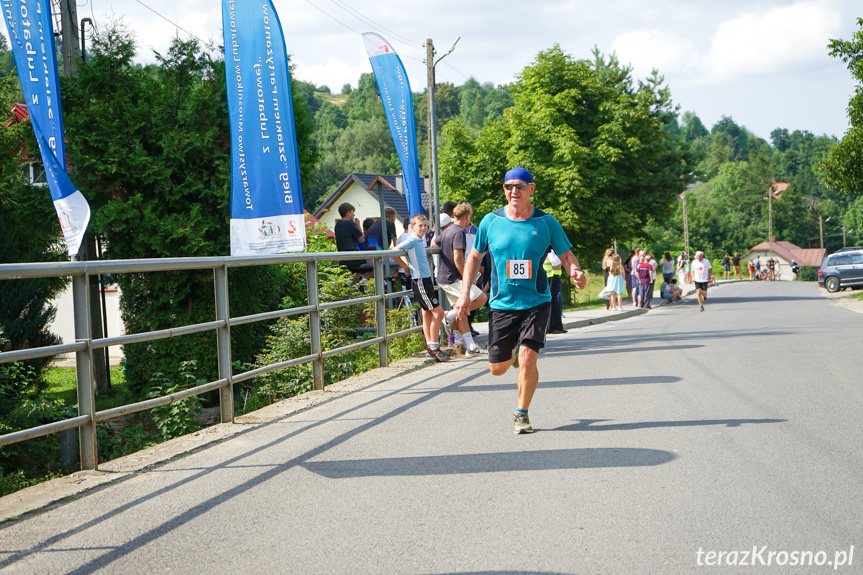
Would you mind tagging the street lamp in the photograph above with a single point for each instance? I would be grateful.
(821, 223)
(431, 63)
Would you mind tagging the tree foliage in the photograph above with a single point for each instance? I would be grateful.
(843, 167)
(601, 149)
(29, 232)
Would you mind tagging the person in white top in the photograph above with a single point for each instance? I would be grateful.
(702, 276)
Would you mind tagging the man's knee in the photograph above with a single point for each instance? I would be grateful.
(499, 368)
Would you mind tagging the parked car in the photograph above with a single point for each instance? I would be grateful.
(842, 269)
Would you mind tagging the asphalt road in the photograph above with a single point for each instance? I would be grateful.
(665, 443)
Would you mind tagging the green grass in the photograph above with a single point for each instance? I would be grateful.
(587, 298)
(857, 296)
(62, 384)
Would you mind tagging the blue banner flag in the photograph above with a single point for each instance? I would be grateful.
(399, 108)
(31, 34)
(266, 198)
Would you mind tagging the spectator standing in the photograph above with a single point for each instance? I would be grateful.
(422, 285)
(450, 278)
(681, 268)
(606, 266)
(751, 267)
(645, 272)
(349, 236)
(726, 267)
(627, 272)
(552, 267)
(654, 265)
(616, 283)
(667, 267)
(375, 236)
(635, 294)
(406, 224)
(735, 263)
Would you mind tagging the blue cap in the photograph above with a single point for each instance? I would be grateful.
(518, 174)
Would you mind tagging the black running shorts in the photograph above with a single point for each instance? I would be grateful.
(507, 328)
(425, 293)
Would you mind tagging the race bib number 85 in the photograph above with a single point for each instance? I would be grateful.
(519, 269)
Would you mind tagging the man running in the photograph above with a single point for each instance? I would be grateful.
(518, 237)
(702, 275)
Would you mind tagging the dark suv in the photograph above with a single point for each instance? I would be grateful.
(842, 269)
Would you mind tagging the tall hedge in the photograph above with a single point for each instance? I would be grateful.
(150, 150)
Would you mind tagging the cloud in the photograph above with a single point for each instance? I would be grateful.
(331, 74)
(649, 49)
(770, 42)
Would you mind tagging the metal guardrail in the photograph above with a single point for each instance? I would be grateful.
(85, 345)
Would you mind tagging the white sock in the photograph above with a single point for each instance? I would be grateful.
(468, 340)
(457, 339)
(432, 344)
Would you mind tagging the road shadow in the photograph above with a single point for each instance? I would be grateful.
(590, 424)
(561, 384)
(541, 460)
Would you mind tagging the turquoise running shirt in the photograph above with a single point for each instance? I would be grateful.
(518, 249)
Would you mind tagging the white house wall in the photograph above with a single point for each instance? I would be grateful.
(366, 205)
(64, 322)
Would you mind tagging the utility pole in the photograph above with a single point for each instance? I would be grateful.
(685, 226)
(430, 65)
(71, 38)
(430, 80)
(432, 134)
(88, 252)
(822, 229)
(770, 214)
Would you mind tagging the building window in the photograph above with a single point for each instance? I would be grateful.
(35, 173)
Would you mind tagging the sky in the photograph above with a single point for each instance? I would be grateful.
(763, 63)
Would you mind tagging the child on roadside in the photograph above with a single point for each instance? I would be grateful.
(422, 285)
(616, 284)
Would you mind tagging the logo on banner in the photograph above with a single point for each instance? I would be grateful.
(269, 229)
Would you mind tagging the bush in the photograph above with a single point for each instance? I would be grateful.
(36, 460)
(178, 418)
(807, 274)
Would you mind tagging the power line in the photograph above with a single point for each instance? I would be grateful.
(322, 11)
(374, 24)
(166, 19)
(409, 43)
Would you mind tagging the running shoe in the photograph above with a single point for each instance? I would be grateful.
(475, 351)
(522, 423)
(437, 354)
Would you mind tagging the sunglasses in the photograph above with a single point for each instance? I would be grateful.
(509, 187)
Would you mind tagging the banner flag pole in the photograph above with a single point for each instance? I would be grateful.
(31, 35)
(398, 104)
(266, 196)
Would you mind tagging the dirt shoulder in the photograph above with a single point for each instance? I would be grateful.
(845, 299)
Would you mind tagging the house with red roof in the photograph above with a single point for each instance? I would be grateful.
(785, 253)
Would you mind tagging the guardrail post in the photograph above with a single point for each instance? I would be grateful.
(315, 324)
(223, 343)
(84, 371)
(381, 313)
